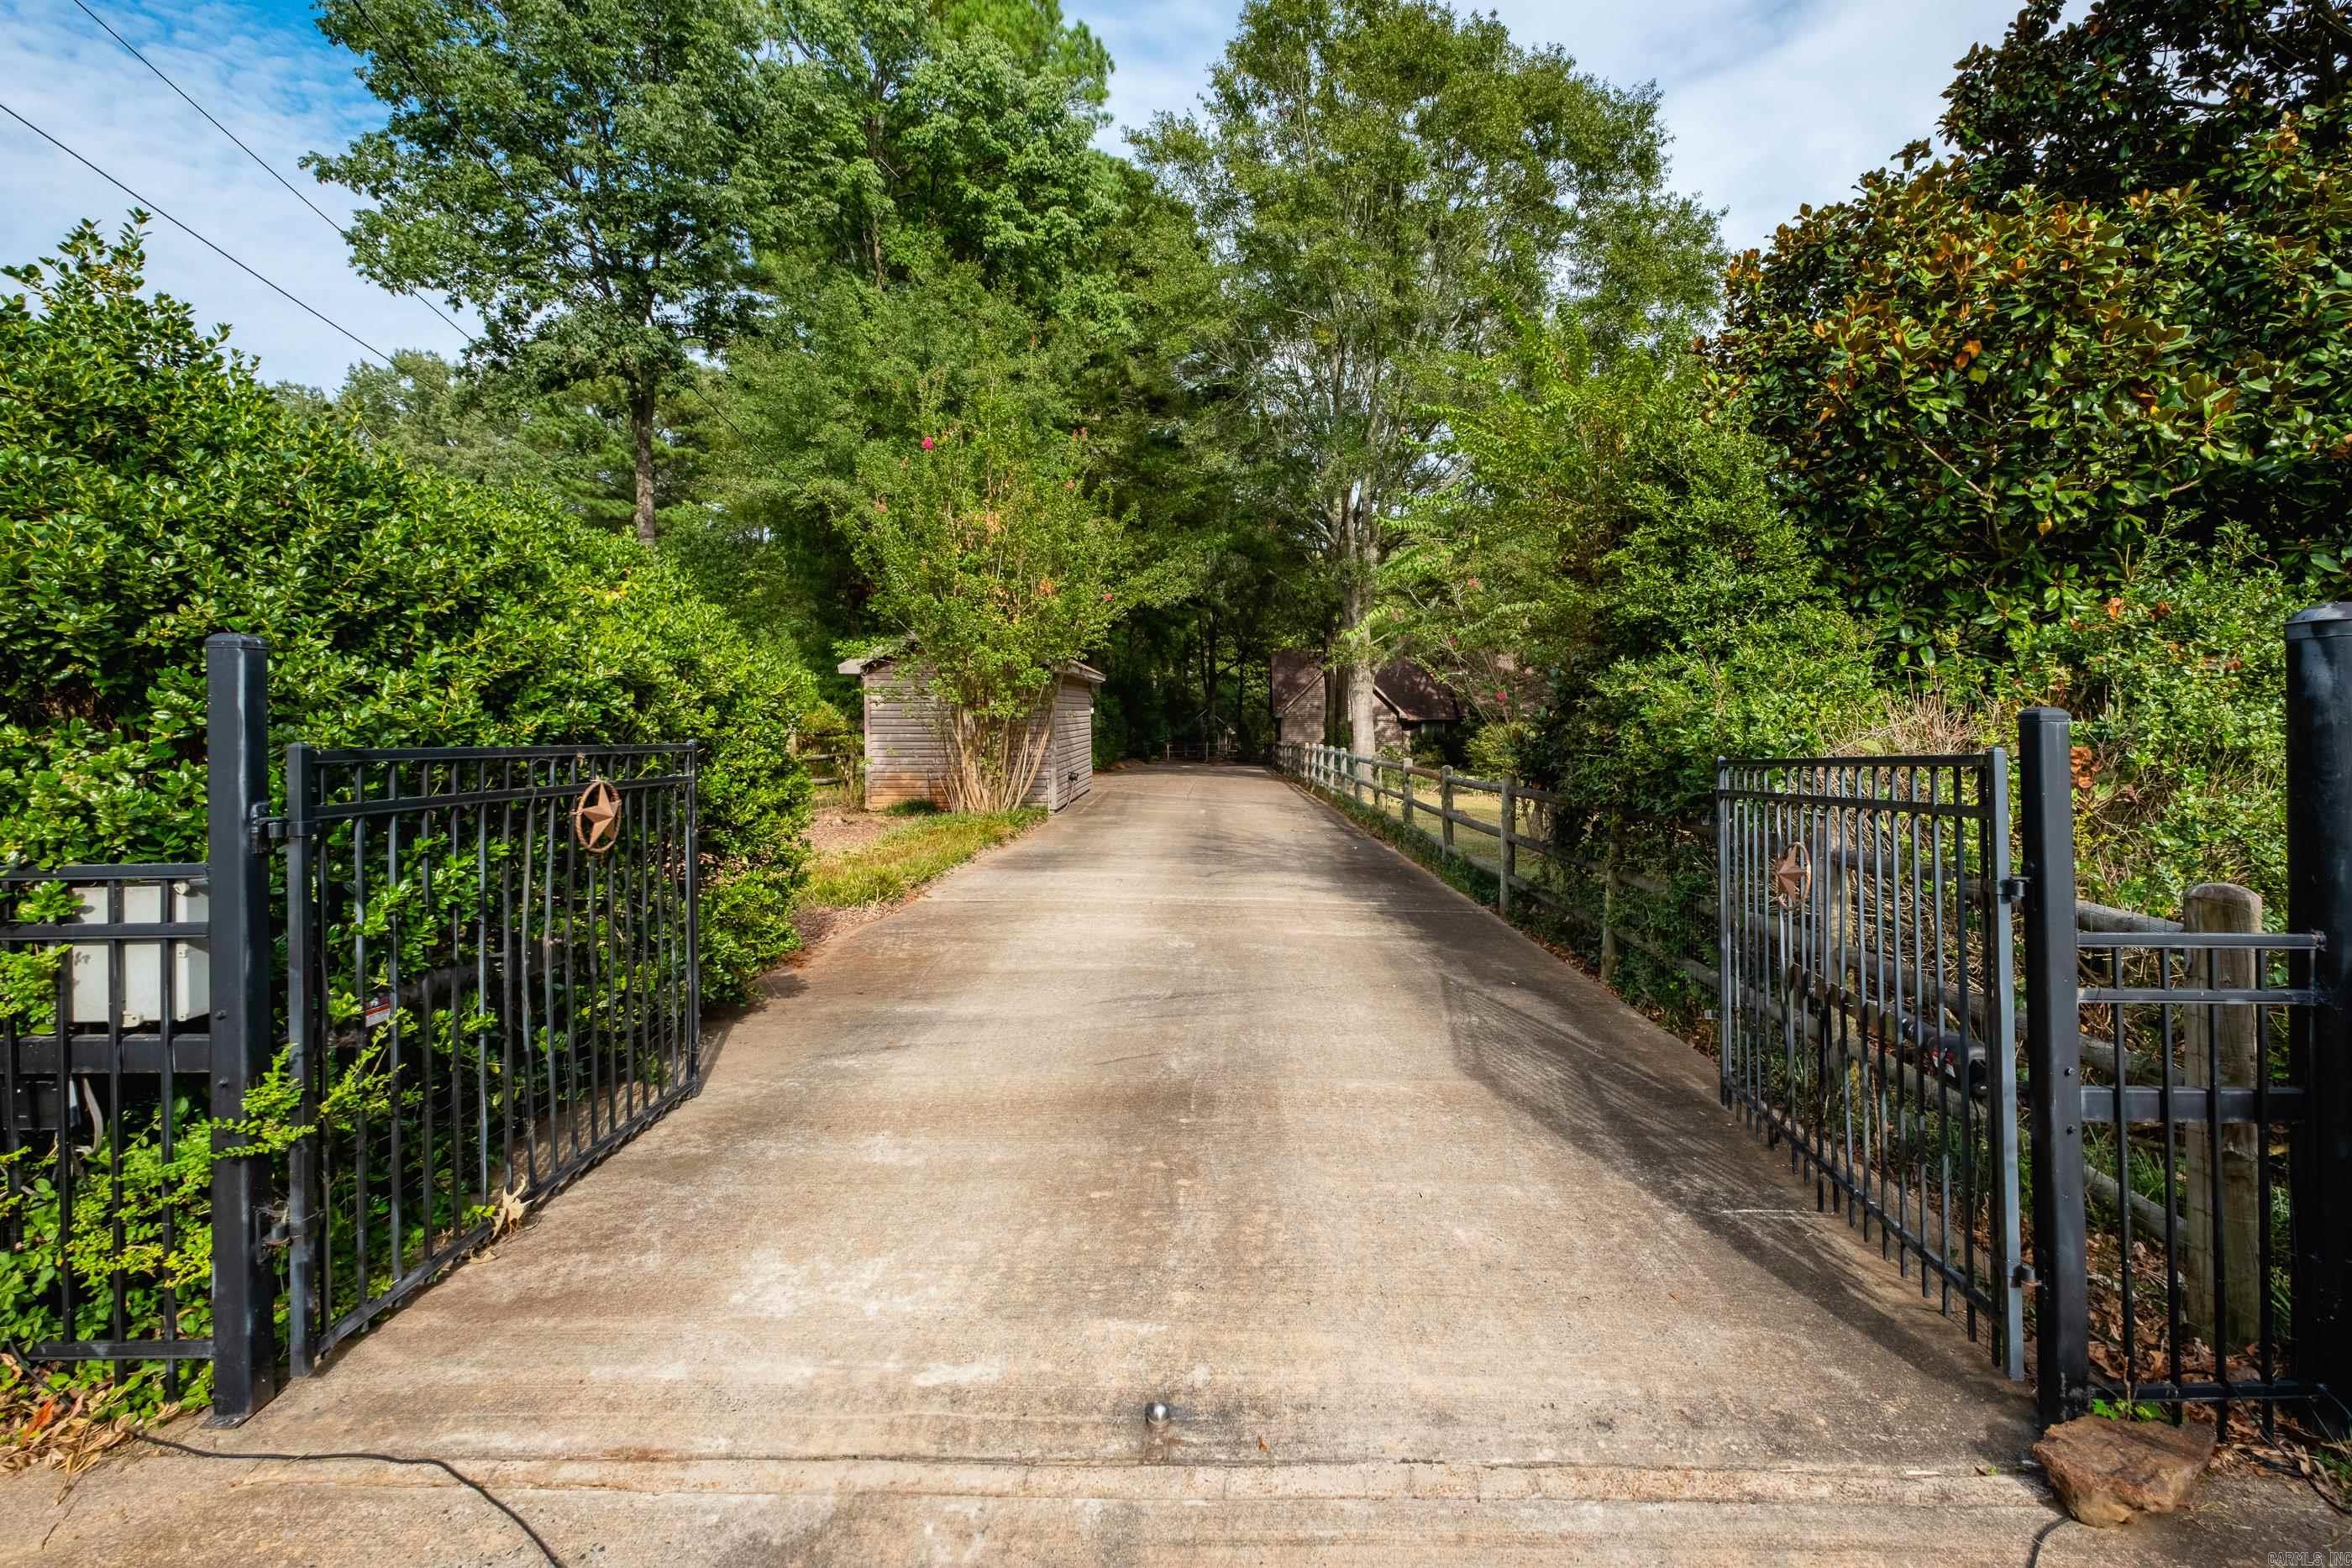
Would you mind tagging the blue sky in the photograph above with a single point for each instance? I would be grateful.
(1771, 102)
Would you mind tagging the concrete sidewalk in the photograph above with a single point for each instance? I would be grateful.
(1439, 1254)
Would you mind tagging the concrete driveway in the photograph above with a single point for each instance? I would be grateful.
(1438, 1252)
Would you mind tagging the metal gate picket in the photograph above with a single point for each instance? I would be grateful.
(491, 984)
(1866, 1007)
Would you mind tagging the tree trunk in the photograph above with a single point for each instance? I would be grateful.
(641, 431)
(1355, 603)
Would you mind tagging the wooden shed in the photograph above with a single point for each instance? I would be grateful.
(905, 757)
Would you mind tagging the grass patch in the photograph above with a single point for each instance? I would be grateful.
(884, 870)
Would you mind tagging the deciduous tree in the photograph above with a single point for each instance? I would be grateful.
(591, 176)
(1384, 183)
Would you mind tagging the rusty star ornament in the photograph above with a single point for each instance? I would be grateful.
(597, 817)
(1793, 876)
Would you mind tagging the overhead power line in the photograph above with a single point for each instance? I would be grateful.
(392, 46)
(385, 38)
(278, 288)
(267, 166)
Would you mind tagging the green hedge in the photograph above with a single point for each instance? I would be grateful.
(154, 491)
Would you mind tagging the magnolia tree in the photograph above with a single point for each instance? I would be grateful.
(993, 554)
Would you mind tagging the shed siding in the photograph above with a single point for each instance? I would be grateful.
(1073, 738)
(907, 761)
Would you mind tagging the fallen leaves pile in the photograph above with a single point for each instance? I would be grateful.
(64, 1428)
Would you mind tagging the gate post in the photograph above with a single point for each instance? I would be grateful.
(237, 691)
(2054, 1054)
(1445, 802)
(2319, 900)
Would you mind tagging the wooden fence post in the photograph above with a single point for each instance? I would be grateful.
(1407, 777)
(2227, 1035)
(1505, 861)
(1609, 912)
(1445, 805)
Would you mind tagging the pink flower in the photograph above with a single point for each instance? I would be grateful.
(926, 444)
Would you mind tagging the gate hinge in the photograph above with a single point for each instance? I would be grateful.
(2023, 1275)
(285, 1232)
(2012, 890)
(267, 830)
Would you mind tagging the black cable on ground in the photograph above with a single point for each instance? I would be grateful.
(452, 1471)
(2044, 1533)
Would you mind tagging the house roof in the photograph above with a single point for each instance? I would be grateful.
(1412, 693)
(1418, 696)
(1294, 672)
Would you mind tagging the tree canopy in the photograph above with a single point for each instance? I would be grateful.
(1382, 185)
(590, 177)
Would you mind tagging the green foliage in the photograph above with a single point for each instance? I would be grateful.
(2139, 95)
(922, 140)
(590, 176)
(1382, 184)
(1616, 590)
(573, 443)
(888, 868)
(998, 561)
(151, 492)
(1982, 402)
(2177, 683)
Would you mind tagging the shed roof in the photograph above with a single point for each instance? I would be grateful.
(1077, 668)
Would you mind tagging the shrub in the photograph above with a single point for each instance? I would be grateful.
(151, 492)
(2177, 685)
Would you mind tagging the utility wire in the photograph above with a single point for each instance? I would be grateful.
(268, 168)
(392, 46)
(193, 235)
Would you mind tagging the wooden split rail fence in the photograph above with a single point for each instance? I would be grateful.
(1499, 826)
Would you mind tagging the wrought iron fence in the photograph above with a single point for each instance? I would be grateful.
(489, 982)
(2173, 1130)
(105, 1045)
(2179, 1103)
(1865, 1008)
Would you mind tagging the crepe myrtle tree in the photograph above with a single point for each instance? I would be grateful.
(995, 556)
(590, 175)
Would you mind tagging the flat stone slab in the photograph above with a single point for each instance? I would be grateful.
(1437, 1252)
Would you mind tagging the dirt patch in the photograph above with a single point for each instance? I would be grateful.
(836, 828)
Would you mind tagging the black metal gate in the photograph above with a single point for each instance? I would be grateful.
(2181, 1092)
(489, 982)
(2175, 1143)
(1866, 1007)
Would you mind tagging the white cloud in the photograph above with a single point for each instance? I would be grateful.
(282, 89)
(1771, 102)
